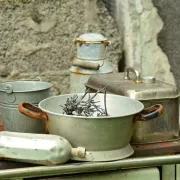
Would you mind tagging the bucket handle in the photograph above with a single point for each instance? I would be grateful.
(9, 89)
(84, 64)
(33, 112)
(150, 113)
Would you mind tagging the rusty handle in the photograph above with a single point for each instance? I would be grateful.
(150, 113)
(33, 112)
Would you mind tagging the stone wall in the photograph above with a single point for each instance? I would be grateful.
(169, 37)
(141, 25)
(36, 37)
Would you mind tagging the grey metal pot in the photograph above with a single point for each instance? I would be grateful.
(14, 92)
(96, 134)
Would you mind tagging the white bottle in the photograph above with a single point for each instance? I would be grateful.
(44, 149)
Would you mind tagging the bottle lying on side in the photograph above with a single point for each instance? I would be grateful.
(42, 149)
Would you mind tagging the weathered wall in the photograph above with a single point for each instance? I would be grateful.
(36, 36)
(141, 25)
(169, 37)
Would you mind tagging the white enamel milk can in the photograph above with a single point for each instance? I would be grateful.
(90, 59)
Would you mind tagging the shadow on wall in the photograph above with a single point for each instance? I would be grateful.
(169, 37)
(111, 6)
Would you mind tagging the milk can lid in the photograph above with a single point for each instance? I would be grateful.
(92, 37)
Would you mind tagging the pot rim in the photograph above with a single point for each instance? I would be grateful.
(87, 117)
(49, 85)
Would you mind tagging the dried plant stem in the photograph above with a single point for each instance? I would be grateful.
(99, 90)
(105, 103)
(77, 106)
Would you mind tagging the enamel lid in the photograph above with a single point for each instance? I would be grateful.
(147, 90)
(92, 37)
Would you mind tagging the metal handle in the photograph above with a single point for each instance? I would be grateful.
(33, 112)
(86, 65)
(106, 42)
(135, 71)
(150, 113)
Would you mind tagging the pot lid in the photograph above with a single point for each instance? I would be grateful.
(148, 89)
(92, 37)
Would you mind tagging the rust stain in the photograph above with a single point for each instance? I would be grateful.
(78, 72)
(73, 60)
(1, 126)
(47, 126)
(106, 42)
(163, 148)
(48, 163)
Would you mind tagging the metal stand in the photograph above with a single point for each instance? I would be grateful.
(155, 149)
(75, 168)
